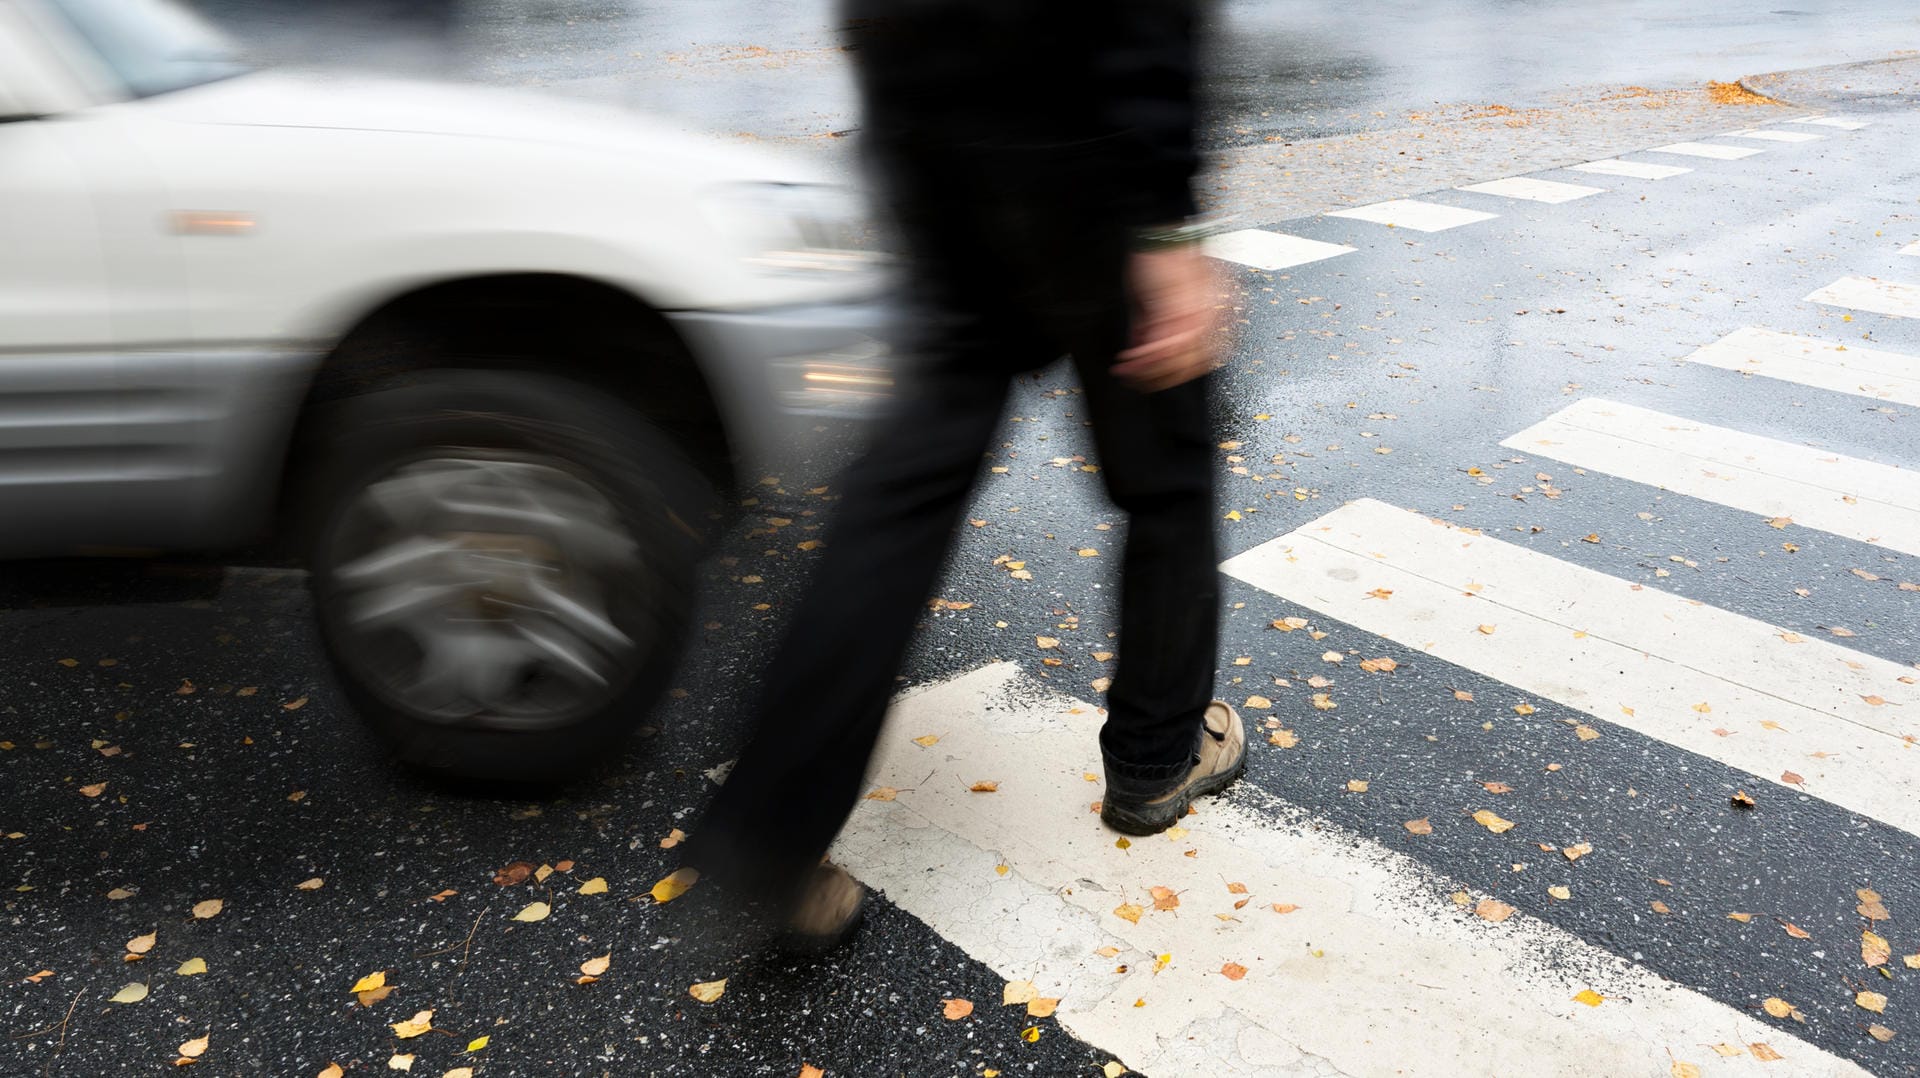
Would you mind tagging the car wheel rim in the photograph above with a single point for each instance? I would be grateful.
(486, 590)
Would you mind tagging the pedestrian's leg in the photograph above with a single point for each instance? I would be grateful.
(1156, 454)
(827, 690)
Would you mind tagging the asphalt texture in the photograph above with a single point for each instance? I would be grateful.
(234, 770)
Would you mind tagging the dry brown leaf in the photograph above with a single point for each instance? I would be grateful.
(1870, 905)
(1323, 702)
(1872, 1001)
(313, 883)
(209, 908)
(927, 741)
(1018, 992)
(1421, 826)
(1492, 909)
(514, 873)
(1728, 1050)
(368, 999)
(1356, 786)
(1045, 643)
(808, 1070)
(130, 993)
(1487, 630)
(1880, 1033)
(594, 967)
(883, 793)
(1164, 898)
(1585, 732)
(1523, 709)
(708, 991)
(1379, 666)
(195, 1048)
(1284, 738)
(1874, 950)
(294, 705)
(442, 896)
(1796, 931)
(1492, 822)
(1463, 695)
(142, 944)
(1233, 971)
(984, 786)
(331, 1070)
(1561, 892)
(956, 1009)
(1777, 1007)
(1659, 906)
(400, 1061)
(1743, 918)
(1576, 851)
(1742, 799)
(1764, 1052)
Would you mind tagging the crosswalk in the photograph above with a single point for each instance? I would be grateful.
(1260, 940)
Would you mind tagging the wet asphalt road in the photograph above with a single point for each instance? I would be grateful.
(1432, 346)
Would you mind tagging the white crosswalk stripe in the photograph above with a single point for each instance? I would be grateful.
(1839, 122)
(1373, 959)
(1270, 250)
(1414, 214)
(1533, 190)
(1708, 149)
(1871, 294)
(1639, 170)
(1748, 694)
(1911, 248)
(1858, 499)
(1777, 136)
(1842, 368)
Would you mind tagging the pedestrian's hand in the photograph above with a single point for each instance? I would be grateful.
(1176, 331)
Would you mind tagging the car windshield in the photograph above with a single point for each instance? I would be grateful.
(151, 46)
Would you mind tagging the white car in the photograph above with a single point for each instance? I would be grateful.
(485, 361)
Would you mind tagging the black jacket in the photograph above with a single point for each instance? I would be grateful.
(1089, 100)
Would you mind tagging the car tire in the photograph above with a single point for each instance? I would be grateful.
(503, 568)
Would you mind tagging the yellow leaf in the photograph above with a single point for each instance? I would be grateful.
(1872, 1001)
(675, 885)
(1087, 552)
(1523, 709)
(1585, 732)
(1323, 702)
(210, 908)
(415, 1026)
(194, 1048)
(1031, 1034)
(331, 1070)
(956, 1009)
(1356, 786)
(477, 1043)
(1487, 630)
(984, 786)
(1728, 1050)
(311, 884)
(94, 790)
(1743, 918)
(1874, 950)
(1045, 642)
(883, 793)
(1577, 851)
(1113, 1069)
(459, 1072)
(594, 967)
(1777, 1007)
(1492, 909)
(141, 944)
(1018, 992)
(1684, 1070)
(132, 993)
(1042, 1006)
(1560, 892)
(1912, 961)
(400, 1061)
(192, 967)
(1101, 684)
(594, 886)
(1421, 826)
(708, 991)
(1284, 907)
(1127, 911)
(1284, 738)
(1703, 708)
(371, 981)
(808, 1070)
(1763, 1052)
(1492, 822)
(927, 741)
(1259, 703)
(1589, 997)
(534, 911)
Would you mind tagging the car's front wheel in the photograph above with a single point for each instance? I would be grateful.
(503, 569)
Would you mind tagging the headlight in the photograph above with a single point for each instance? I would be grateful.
(796, 228)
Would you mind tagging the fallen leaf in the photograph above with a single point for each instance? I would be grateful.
(1492, 822)
(1763, 1052)
(371, 981)
(1911, 961)
(594, 967)
(331, 1070)
(514, 873)
(1379, 666)
(984, 787)
(369, 998)
(1492, 909)
(1589, 997)
(1777, 1007)
(1561, 892)
(131, 993)
(534, 911)
(1323, 702)
(210, 908)
(1792, 778)
(1684, 1070)
(141, 944)
(459, 1072)
(1421, 826)
(808, 1070)
(1874, 701)
(675, 885)
(400, 1061)
(1743, 918)
(1742, 799)
(1356, 786)
(1496, 787)
(118, 894)
(708, 991)
(1164, 898)
(1523, 709)
(542, 873)
(1046, 642)
(883, 793)
(1101, 684)
(1880, 1033)
(1585, 732)
(442, 896)
(1874, 950)
(194, 1048)
(1284, 738)
(191, 967)
(956, 1009)
(1487, 630)
(1113, 1069)
(1031, 1034)
(1042, 1006)
(94, 790)
(927, 741)
(1463, 695)
(1127, 911)
(1838, 631)
(1796, 931)
(1258, 703)
(1728, 1050)
(1870, 905)
(421, 1022)
(1233, 971)
(1577, 851)
(1017, 992)
(477, 1043)
(1871, 1001)
(1659, 906)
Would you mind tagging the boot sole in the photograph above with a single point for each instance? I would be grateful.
(807, 945)
(1153, 819)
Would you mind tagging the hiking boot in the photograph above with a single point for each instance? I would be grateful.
(1148, 807)
(826, 911)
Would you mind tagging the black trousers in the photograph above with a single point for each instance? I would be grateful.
(1010, 274)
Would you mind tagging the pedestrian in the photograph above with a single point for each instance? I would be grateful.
(1037, 157)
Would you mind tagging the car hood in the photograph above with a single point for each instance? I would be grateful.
(367, 103)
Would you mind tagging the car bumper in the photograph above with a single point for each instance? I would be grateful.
(776, 369)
